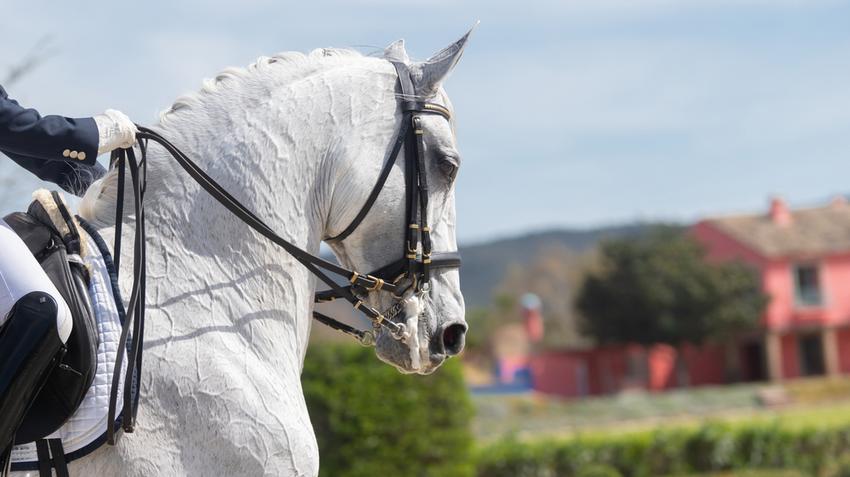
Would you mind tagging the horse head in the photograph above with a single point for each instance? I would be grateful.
(432, 315)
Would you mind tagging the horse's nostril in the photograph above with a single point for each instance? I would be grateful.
(453, 338)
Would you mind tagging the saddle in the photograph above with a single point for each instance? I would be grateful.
(53, 237)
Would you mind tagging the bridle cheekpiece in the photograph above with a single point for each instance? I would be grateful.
(413, 269)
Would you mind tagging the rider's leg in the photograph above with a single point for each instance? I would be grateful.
(35, 322)
(20, 274)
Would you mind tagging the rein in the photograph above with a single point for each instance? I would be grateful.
(411, 272)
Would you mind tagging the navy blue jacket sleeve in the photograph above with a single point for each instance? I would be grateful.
(54, 148)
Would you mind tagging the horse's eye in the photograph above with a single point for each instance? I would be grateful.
(448, 166)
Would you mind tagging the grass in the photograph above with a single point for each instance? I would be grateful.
(813, 402)
(534, 414)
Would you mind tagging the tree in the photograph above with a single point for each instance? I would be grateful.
(661, 289)
(554, 275)
(371, 420)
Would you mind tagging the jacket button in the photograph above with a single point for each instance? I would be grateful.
(81, 156)
(74, 154)
(66, 153)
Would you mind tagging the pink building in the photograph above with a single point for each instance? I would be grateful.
(612, 369)
(803, 258)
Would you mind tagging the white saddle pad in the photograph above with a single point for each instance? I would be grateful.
(85, 431)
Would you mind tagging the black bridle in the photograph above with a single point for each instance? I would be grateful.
(410, 273)
(413, 269)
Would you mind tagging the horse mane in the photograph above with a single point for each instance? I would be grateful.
(286, 66)
(98, 205)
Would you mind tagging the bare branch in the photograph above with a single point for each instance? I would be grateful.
(38, 54)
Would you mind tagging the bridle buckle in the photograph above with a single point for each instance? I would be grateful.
(415, 264)
(379, 283)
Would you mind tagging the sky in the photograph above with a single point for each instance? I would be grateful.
(570, 113)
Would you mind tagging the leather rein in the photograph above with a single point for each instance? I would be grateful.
(411, 272)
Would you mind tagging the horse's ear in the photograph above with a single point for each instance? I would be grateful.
(429, 74)
(395, 52)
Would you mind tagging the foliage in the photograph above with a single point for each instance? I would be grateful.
(371, 420)
(661, 289)
(713, 447)
(554, 275)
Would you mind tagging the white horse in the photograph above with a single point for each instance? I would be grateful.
(300, 139)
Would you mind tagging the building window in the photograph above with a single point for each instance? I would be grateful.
(807, 285)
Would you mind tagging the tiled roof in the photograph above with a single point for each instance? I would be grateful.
(810, 232)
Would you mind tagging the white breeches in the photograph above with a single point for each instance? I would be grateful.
(21, 274)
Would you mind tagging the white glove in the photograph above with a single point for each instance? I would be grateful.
(115, 130)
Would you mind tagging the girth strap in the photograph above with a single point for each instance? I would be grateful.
(43, 454)
(51, 455)
(58, 457)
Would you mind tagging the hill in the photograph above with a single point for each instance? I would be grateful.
(484, 264)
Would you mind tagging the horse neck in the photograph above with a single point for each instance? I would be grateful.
(207, 268)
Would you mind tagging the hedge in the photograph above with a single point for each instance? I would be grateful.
(371, 420)
(711, 448)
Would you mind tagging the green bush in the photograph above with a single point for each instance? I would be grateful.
(712, 447)
(370, 420)
(599, 470)
(517, 459)
(723, 448)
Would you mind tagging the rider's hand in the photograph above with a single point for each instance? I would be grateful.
(115, 130)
